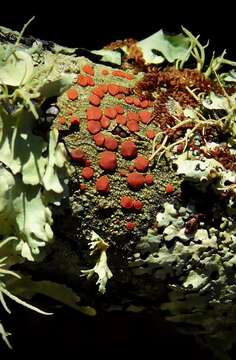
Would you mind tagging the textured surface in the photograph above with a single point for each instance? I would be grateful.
(148, 215)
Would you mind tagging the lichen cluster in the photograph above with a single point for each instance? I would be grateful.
(33, 167)
(144, 135)
(110, 146)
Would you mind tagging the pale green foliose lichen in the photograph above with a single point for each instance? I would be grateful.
(32, 167)
(29, 171)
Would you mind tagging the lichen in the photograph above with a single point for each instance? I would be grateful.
(197, 267)
(149, 155)
(101, 268)
(31, 165)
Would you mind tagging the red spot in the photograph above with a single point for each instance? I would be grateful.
(110, 112)
(130, 226)
(128, 149)
(131, 115)
(88, 69)
(74, 121)
(82, 187)
(169, 188)
(137, 102)
(94, 127)
(90, 81)
(88, 162)
(110, 143)
(119, 73)
(99, 139)
(129, 100)
(150, 134)
(126, 202)
(121, 120)
(119, 109)
(180, 148)
(87, 173)
(94, 113)
(119, 96)
(113, 89)
(145, 116)
(144, 104)
(98, 91)
(141, 163)
(137, 204)
(78, 155)
(149, 180)
(133, 126)
(82, 80)
(124, 90)
(131, 168)
(129, 76)
(104, 88)
(105, 122)
(72, 94)
(104, 72)
(102, 184)
(135, 180)
(62, 120)
(94, 100)
(107, 160)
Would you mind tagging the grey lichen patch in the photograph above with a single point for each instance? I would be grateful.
(203, 172)
(197, 264)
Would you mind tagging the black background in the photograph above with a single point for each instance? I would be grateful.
(71, 335)
(92, 24)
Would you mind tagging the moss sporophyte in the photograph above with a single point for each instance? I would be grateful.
(129, 153)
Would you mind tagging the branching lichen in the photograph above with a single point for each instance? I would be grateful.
(5, 273)
(101, 268)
